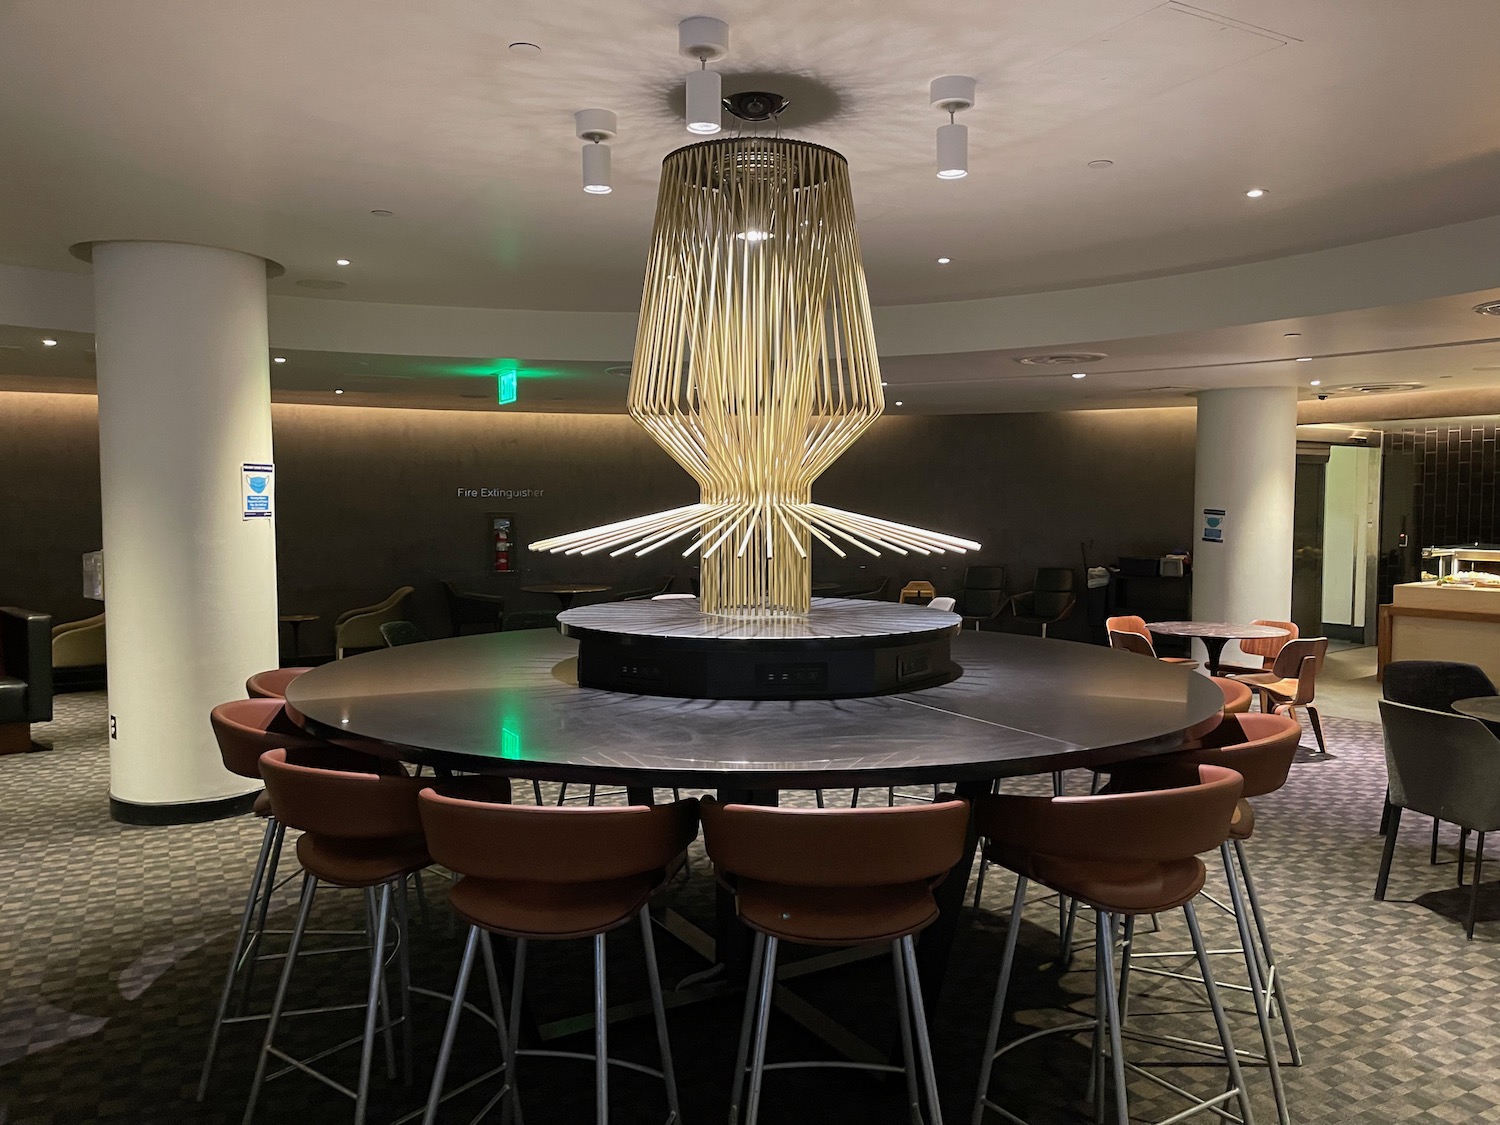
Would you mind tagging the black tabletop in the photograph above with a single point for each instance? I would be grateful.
(507, 703)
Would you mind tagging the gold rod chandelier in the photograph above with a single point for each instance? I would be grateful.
(755, 368)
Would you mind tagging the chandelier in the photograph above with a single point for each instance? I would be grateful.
(755, 368)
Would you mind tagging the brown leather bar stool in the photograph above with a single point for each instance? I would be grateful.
(245, 729)
(359, 831)
(1129, 854)
(1260, 748)
(835, 877)
(1237, 696)
(545, 873)
(272, 684)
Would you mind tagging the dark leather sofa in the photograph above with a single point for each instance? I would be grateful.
(25, 676)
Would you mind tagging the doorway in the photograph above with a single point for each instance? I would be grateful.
(1335, 540)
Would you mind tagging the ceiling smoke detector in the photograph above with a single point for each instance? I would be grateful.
(1061, 359)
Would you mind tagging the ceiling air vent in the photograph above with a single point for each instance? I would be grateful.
(1371, 388)
(1061, 359)
(1488, 308)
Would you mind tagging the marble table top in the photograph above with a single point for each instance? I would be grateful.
(1215, 629)
(1486, 707)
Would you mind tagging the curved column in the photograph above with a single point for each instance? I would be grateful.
(1246, 467)
(190, 584)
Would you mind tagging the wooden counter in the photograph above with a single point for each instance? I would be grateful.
(1426, 621)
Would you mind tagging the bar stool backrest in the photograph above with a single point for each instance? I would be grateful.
(874, 847)
(552, 844)
(246, 728)
(1258, 747)
(1158, 826)
(342, 803)
(1442, 765)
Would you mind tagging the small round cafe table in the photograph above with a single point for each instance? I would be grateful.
(1215, 635)
(565, 592)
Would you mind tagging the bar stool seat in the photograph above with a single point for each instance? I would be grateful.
(1237, 695)
(262, 806)
(1242, 827)
(838, 916)
(272, 683)
(556, 911)
(361, 863)
(1142, 888)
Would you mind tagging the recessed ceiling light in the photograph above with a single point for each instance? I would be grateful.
(944, 261)
(1256, 192)
(522, 47)
(338, 390)
(1080, 374)
(1291, 333)
(1304, 359)
(49, 343)
(1101, 163)
(900, 404)
(278, 359)
(382, 213)
(341, 261)
(1316, 383)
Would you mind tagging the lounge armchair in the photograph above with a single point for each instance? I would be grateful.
(25, 677)
(360, 628)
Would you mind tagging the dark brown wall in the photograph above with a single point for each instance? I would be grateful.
(369, 498)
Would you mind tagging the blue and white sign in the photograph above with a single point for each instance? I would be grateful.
(258, 489)
(1213, 525)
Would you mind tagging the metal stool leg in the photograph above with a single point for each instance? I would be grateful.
(762, 1026)
(309, 889)
(374, 1003)
(403, 970)
(908, 1054)
(511, 1111)
(919, 1021)
(241, 941)
(1258, 990)
(268, 885)
(997, 1011)
(1268, 959)
(497, 1007)
(747, 1028)
(1237, 1080)
(450, 1029)
(1109, 1004)
(372, 911)
(601, 1030)
(659, 1010)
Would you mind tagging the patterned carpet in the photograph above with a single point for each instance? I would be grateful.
(113, 943)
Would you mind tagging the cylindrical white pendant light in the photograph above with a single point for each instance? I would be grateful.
(952, 151)
(707, 40)
(952, 93)
(595, 126)
(705, 101)
(596, 169)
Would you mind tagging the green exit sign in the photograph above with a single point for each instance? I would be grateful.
(507, 387)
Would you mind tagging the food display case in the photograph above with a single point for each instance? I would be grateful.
(1452, 614)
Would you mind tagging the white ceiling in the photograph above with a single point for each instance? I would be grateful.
(277, 126)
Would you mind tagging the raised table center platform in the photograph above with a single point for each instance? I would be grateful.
(841, 649)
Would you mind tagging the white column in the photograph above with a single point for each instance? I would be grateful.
(1246, 466)
(190, 584)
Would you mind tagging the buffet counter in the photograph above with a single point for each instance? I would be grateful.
(1442, 621)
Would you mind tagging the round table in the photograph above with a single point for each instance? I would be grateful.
(508, 704)
(566, 591)
(1215, 635)
(1486, 707)
(296, 621)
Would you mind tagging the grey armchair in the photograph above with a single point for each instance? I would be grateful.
(25, 676)
(1445, 766)
(360, 628)
(1433, 684)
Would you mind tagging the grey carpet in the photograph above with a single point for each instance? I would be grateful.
(113, 942)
